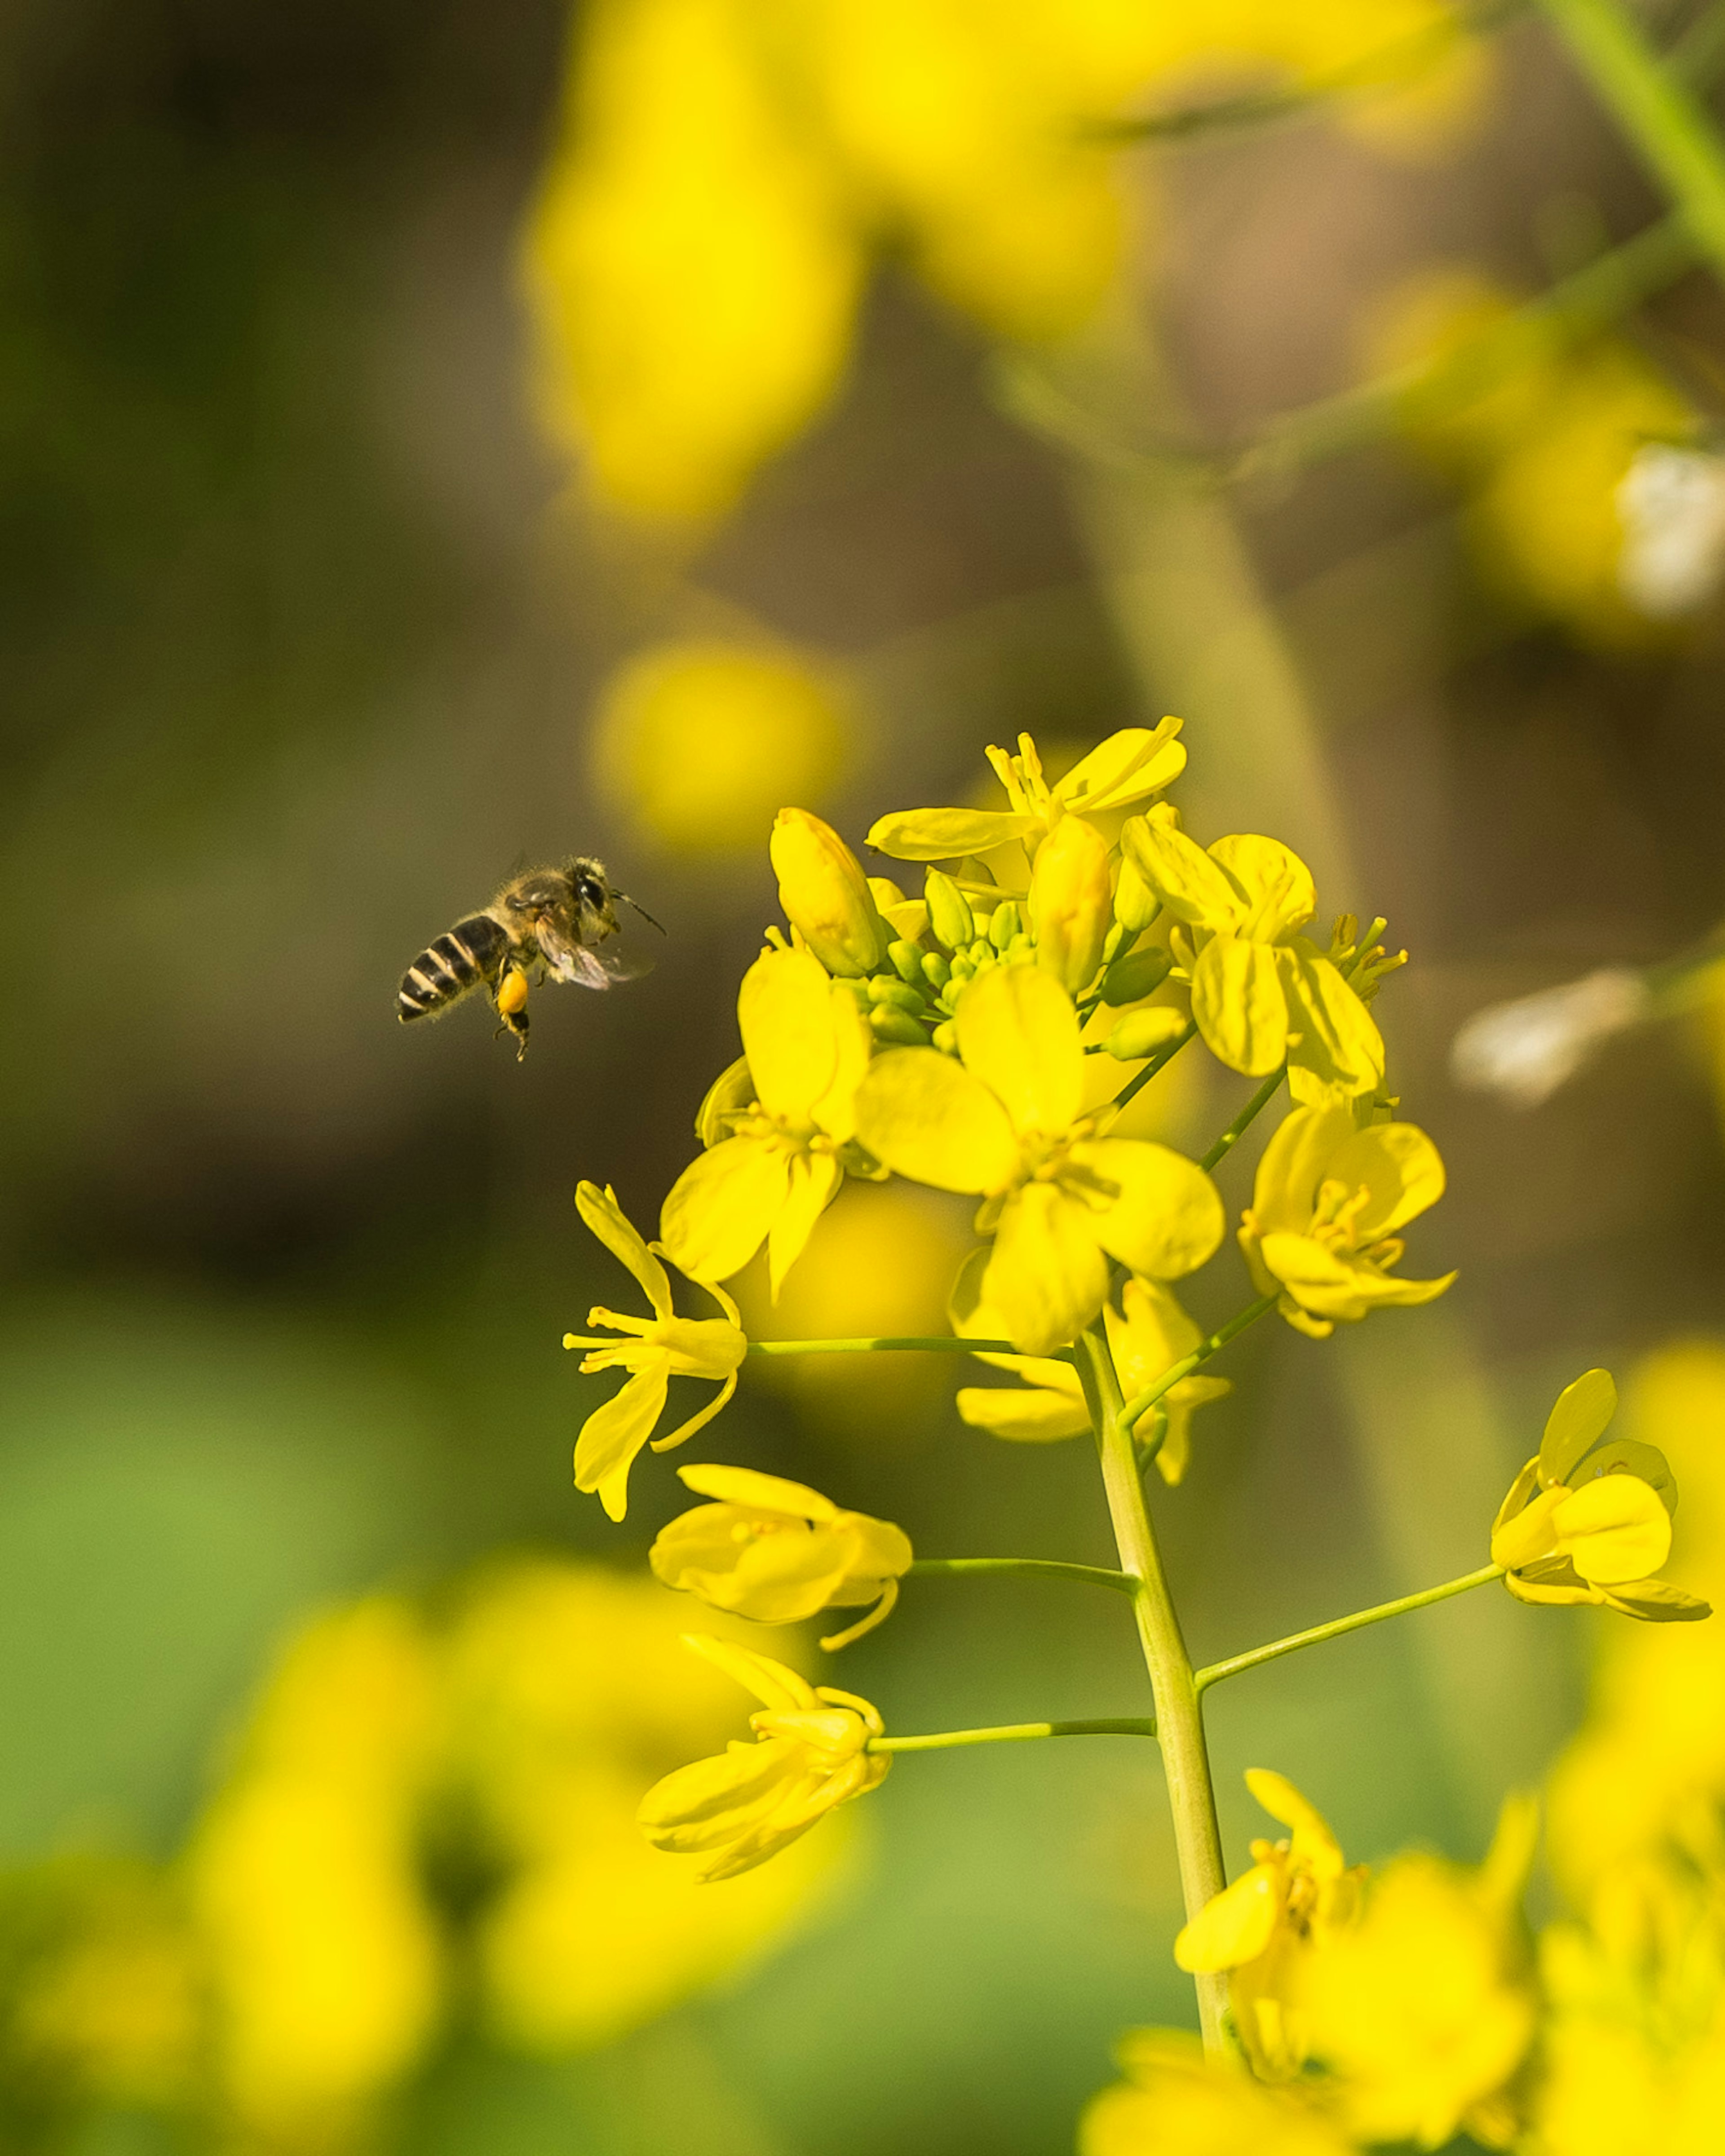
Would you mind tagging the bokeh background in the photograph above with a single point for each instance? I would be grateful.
(311, 631)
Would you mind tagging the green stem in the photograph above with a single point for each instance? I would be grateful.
(1665, 122)
(1094, 1575)
(1012, 1732)
(1140, 1403)
(943, 1343)
(1179, 1715)
(1244, 1121)
(1157, 1062)
(1337, 1625)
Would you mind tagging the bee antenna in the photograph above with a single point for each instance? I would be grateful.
(643, 911)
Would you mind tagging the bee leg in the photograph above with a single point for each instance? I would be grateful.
(512, 1007)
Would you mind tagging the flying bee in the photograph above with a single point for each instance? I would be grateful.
(545, 921)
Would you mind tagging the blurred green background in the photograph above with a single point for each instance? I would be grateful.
(301, 650)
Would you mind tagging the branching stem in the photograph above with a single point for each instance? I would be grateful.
(1244, 1121)
(1318, 1634)
(940, 1343)
(1093, 1575)
(1140, 1403)
(1012, 1732)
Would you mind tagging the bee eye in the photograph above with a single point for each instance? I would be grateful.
(591, 893)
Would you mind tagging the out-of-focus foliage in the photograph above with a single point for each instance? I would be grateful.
(429, 1822)
(730, 168)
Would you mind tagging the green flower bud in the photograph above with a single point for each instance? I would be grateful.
(1144, 1033)
(1135, 905)
(1139, 974)
(1071, 902)
(886, 993)
(937, 970)
(949, 913)
(907, 960)
(824, 894)
(1006, 922)
(897, 1027)
(946, 1037)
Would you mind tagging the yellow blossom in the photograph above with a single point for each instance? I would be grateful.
(1148, 1335)
(825, 896)
(1071, 903)
(1004, 1123)
(1589, 1522)
(1260, 991)
(806, 1044)
(777, 1552)
(655, 1350)
(1175, 2102)
(1420, 2007)
(810, 1753)
(1129, 767)
(1262, 1928)
(1328, 1199)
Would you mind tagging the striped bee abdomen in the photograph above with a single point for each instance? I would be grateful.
(470, 953)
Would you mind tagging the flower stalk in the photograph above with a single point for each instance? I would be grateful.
(935, 1344)
(1134, 1410)
(1015, 1733)
(1315, 1635)
(1092, 1575)
(1179, 1714)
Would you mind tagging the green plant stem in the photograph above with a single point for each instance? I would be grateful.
(1093, 1575)
(1179, 1714)
(1244, 1121)
(1012, 1732)
(1663, 119)
(940, 1343)
(1140, 1403)
(1158, 1062)
(1215, 1673)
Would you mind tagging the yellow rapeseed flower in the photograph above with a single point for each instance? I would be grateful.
(1263, 1927)
(1329, 1198)
(1173, 2101)
(1128, 767)
(1588, 1522)
(655, 1350)
(1148, 1336)
(1005, 1123)
(1260, 991)
(825, 896)
(1421, 2008)
(810, 1753)
(778, 1552)
(806, 1044)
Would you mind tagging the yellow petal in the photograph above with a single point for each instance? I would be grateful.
(761, 1493)
(1614, 1529)
(1071, 903)
(607, 1220)
(925, 1117)
(1026, 1416)
(1127, 766)
(1529, 1534)
(1153, 1334)
(721, 1206)
(940, 834)
(613, 1435)
(813, 1183)
(1274, 884)
(973, 1319)
(824, 895)
(1236, 1926)
(1239, 1004)
(785, 1012)
(777, 1688)
(1326, 1282)
(699, 1419)
(1193, 887)
(1313, 1844)
(1293, 1164)
(1576, 1424)
(1047, 1276)
(1019, 1032)
(1400, 1168)
(1657, 1602)
(1169, 1218)
(1340, 1044)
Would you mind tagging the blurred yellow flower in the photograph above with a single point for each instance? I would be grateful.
(777, 1551)
(696, 742)
(807, 1044)
(1175, 2102)
(1148, 1336)
(1262, 1929)
(1544, 434)
(658, 1348)
(809, 1754)
(1005, 1123)
(825, 896)
(1421, 2006)
(325, 1965)
(1260, 991)
(1128, 767)
(1329, 1197)
(1588, 1522)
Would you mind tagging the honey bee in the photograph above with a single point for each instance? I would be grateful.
(543, 922)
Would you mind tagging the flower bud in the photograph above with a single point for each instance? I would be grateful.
(1139, 974)
(1144, 1033)
(1071, 902)
(824, 894)
(949, 913)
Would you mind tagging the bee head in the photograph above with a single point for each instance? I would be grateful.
(590, 886)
